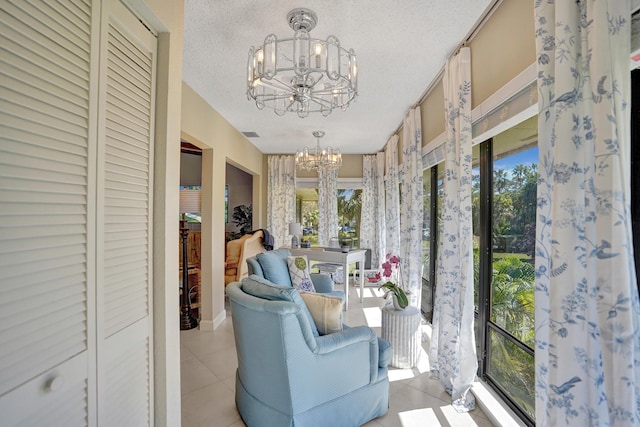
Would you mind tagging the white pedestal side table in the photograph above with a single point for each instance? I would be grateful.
(402, 329)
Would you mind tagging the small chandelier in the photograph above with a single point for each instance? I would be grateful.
(316, 158)
(302, 74)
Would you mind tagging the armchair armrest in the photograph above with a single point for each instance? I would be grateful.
(322, 283)
(349, 336)
(337, 340)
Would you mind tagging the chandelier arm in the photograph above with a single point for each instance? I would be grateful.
(333, 91)
(321, 101)
(273, 96)
(276, 84)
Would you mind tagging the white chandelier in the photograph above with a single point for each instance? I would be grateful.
(317, 158)
(302, 74)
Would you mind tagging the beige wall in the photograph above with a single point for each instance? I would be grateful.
(221, 144)
(351, 168)
(501, 49)
(432, 112)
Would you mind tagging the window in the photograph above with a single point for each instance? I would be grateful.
(307, 200)
(433, 188)
(349, 211)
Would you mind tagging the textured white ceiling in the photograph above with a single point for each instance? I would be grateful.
(400, 46)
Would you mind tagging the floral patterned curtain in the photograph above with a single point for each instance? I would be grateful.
(412, 206)
(281, 197)
(372, 222)
(327, 205)
(587, 349)
(453, 349)
(392, 197)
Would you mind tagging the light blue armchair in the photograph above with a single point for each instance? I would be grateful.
(289, 376)
(272, 266)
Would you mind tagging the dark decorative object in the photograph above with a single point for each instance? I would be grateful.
(189, 203)
(243, 218)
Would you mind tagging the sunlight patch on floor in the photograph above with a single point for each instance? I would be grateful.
(369, 292)
(426, 331)
(456, 418)
(400, 374)
(373, 316)
(418, 418)
(423, 362)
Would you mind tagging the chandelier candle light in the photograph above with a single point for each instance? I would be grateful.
(302, 74)
(317, 158)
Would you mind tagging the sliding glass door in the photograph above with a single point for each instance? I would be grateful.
(504, 180)
(509, 329)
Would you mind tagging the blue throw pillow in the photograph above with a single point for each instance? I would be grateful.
(274, 267)
(261, 288)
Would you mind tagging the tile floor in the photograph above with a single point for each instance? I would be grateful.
(208, 364)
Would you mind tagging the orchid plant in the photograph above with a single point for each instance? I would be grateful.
(391, 272)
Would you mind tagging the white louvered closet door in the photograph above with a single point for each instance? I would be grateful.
(124, 228)
(76, 120)
(45, 211)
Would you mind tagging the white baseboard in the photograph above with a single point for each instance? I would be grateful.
(210, 325)
(219, 319)
(206, 325)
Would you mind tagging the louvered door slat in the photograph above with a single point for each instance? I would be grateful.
(122, 110)
(35, 148)
(44, 87)
(24, 93)
(126, 181)
(53, 25)
(50, 160)
(36, 48)
(28, 127)
(130, 59)
(138, 83)
(42, 109)
(38, 230)
(121, 132)
(56, 268)
(137, 54)
(65, 297)
(46, 343)
(32, 83)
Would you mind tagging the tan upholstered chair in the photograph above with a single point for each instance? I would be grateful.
(237, 252)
